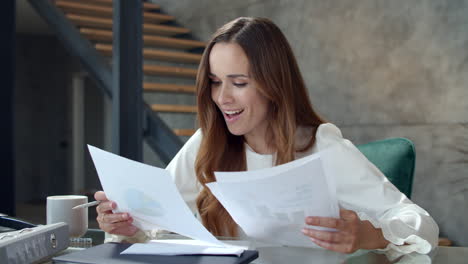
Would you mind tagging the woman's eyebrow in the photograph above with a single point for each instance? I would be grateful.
(237, 75)
(212, 75)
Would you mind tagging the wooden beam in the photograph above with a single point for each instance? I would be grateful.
(174, 108)
(148, 40)
(146, 5)
(106, 23)
(170, 71)
(168, 87)
(106, 11)
(153, 54)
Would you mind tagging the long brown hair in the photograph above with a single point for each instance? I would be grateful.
(273, 65)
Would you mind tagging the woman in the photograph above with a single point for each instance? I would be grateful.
(254, 112)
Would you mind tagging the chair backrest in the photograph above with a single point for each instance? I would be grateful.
(395, 157)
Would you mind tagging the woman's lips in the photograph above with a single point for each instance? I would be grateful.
(232, 117)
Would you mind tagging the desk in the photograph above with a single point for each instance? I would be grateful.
(442, 255)
(275, 255)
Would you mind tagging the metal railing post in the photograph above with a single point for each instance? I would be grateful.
(127, 76)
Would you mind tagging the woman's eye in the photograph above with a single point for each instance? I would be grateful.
(240, 84)
(215, 83)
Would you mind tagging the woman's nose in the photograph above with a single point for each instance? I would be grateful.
(224, 95)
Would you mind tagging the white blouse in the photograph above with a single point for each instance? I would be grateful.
(361, 187)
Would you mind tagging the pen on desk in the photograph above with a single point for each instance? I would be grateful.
(86, 205)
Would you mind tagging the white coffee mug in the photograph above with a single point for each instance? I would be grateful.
(59, 209)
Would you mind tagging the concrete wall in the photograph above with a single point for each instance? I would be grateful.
(379, 69)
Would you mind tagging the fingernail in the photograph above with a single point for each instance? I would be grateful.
(304, 231)
(124, 216)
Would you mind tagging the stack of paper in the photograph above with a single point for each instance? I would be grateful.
(270, 205)
(183, 247)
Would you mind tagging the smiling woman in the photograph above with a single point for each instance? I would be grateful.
(237, 95)
(249, 85)
(254, 112)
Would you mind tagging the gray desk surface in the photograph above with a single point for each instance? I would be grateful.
(442, 255)
(273, 255)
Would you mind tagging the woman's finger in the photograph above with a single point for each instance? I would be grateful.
(337, 247)
(329, 222)
(105, 207)
(100, 196)
(121, 228)
(126, 231)
(327, 236)
(113, 218)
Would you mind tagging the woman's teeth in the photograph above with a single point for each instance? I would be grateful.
(231, 113)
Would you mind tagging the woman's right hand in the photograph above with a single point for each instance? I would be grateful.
(117, 224)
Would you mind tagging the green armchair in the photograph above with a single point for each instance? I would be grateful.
(395, 158)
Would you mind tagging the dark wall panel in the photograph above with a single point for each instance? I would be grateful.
(7, 73)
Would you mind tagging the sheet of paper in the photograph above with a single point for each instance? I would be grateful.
(182, 247)
(271, 204)
(149, 195)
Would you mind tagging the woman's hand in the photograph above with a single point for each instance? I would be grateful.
(117, 224)
(352, 233)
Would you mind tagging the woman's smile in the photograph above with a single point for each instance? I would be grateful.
(232, 115)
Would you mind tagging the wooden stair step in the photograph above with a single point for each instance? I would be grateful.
(106, 11)
(168, 87)
(149, 40)
(186, 57)
(146, 5)
(169, 71)
(174, 108)
(107, 23)
(184, 132)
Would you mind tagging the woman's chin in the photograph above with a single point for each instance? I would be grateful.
(235, 132)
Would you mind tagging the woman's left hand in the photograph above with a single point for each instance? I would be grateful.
(352, 233)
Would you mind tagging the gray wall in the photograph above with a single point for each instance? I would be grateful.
(42, 117)
(43, 120)
(379, 69)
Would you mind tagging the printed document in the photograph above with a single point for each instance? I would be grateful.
(270, 205)
(150, 196)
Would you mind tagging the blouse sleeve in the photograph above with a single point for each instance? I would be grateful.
(361, 187)
(182, 170)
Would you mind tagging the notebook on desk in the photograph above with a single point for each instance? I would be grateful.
(110, 253)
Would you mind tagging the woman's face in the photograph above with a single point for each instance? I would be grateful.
(236, 93)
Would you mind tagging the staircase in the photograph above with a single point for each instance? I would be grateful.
(170, 59)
